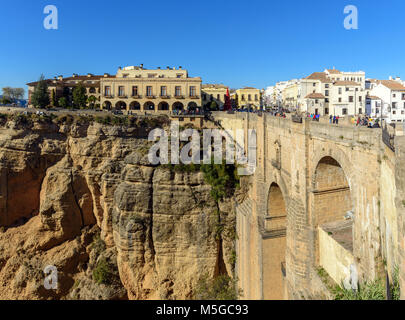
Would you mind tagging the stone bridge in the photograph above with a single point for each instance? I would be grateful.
(322, 196)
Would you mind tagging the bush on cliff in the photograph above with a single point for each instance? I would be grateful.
(221, 287)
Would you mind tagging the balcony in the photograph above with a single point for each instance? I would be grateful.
(164, 96)
(108, 96)
(194, 97)
(150, 96)
(136, 96)
(123, 96)
(179, 97)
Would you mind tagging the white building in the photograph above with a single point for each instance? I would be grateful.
(392, 95)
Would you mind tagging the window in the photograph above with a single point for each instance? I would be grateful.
(394, 105)
(344, 111)
(256, 99)
(360, 111)
(204, 96)
(394, 95)
(340, 90)
(218, 97)
(327, 93)
(107, 91)
(314, 84)
(326, 110)
(121, 91)
(327, 100)
(403, 96)
(249, 97)
(243, 97)
(340, 99)
(326, 85)
(134, 91)
(394, 112)
(163, 91)
(177, 91)
(179, 75)
(149, 92)
(347, 89)
(151, 75)
(360, 98)
(192, 91)
(377, 110)
(402, 112)
(350, 98)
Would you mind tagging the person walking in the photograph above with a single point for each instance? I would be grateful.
(334, 119)
(330, 119)
(337, 119)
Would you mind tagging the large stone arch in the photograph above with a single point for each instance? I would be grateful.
(274, 241)
(332, 198)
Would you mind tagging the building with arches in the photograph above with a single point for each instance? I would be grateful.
(136, 88)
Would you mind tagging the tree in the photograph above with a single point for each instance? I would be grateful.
(13, 94)
(79, 96)
(214, 106)
(5, 100)
(54, 102)
(91, 101)
(62, 102)
(40, 96)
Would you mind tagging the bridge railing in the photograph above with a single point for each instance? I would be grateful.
(388, 139)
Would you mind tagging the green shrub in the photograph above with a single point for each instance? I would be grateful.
(221, 287)
(223, 179)
(102, 273)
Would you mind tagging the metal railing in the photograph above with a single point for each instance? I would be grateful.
(388, 139)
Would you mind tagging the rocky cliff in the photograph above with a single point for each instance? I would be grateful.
(83, 197)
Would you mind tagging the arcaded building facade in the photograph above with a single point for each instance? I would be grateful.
(135, 88)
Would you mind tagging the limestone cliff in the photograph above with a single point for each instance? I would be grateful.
(83, 197)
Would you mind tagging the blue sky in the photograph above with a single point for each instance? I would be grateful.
(238, 43)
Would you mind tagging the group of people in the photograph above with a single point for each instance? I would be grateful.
(314, 117)
(367, 122)
(334, 119)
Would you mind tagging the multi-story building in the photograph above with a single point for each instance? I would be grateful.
(291, 94)
(392, 96)
(248, 97)
(213, 92)
(63, 87)
(135, 88)
(333, 92)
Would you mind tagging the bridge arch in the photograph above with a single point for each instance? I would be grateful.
(274, 242)
(332, 198)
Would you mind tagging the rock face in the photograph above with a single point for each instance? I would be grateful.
(62, 186)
